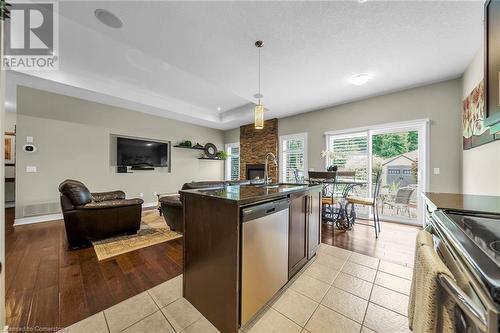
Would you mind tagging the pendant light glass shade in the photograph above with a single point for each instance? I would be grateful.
(259, 108)
(259, 116)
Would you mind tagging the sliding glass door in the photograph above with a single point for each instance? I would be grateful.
(395, 157)
(396, 152)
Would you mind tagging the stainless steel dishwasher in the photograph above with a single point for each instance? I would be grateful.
(264, 266)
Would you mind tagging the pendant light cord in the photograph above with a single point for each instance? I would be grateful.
(259, 76)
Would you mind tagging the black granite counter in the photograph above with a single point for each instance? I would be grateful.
(248, 194)
(463, 202)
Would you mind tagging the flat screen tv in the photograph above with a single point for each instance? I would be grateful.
(141, 153)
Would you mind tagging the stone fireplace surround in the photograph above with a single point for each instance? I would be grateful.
(255, 144)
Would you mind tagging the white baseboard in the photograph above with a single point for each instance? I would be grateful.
(59, 216)
(38, 219)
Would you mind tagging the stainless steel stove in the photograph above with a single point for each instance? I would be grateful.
(469, 245)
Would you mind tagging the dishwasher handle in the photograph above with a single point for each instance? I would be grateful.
(268, 208)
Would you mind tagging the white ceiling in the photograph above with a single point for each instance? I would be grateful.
(183, 60)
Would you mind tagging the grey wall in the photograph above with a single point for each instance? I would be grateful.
(439, 102)
(480, 164)
(73, 140)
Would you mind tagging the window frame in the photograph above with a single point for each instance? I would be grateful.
(227, 162)
(282, 165)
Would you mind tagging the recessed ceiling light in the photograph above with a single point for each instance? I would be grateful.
(359, 79)
(108, 18)
(218, 108)
(362, 1)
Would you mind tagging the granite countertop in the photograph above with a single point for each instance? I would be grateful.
(464, 202)
(247, 194)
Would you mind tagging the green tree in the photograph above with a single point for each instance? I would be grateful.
(377, 141)
(412, 140)
(4, 10)
(393, 144)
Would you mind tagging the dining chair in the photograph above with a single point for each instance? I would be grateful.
(369, 202)
(328, 199)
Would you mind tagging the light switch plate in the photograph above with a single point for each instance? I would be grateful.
(30, 168)
(29, 139)
(437, 171)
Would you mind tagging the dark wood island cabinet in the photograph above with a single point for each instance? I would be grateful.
(214, 243)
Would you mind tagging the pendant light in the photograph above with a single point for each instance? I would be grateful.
(259, 108)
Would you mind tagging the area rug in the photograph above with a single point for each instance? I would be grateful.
(153, 231)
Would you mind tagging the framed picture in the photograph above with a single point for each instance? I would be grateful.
(10, 148)
(492, 57)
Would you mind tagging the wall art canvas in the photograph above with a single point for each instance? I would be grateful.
(473, 130)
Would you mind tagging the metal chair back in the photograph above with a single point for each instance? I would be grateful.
(323, 175)
(403, 195)
(377, 185)
(346, 174)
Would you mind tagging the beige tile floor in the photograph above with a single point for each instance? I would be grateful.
(340, 291)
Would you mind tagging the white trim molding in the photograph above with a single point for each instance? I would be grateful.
(394, 126)
(38, 219)
(420, 125)
(59, 216)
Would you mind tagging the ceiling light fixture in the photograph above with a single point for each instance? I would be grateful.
(108, 18)
(359, 79)
(259, 108)
(219, 108)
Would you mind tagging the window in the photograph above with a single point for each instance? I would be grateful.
(393, 171)
(350, 153)
(232, 169)
(293, 157)
(406, 172)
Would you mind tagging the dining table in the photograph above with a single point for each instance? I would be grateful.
(337, 212)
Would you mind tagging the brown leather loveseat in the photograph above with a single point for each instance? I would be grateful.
(93, 216)
(171, 205)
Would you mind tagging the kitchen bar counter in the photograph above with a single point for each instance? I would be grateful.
(250, 194)
(218, 235)
(463, 202)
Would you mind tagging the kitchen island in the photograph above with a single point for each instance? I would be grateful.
(243, 243)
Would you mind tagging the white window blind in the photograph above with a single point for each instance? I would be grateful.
(350, 153)
(233, 161)
(293, 159)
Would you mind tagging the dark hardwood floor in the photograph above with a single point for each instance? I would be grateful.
(395, 243)
(48, 286)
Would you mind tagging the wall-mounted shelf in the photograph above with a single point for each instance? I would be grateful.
(177, 146)
(210, 158)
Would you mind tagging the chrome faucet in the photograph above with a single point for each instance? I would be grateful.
(266, 166)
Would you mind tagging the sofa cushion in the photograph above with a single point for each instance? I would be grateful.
(76, 191)
(171, 200)
(204, 184)
(105, 196)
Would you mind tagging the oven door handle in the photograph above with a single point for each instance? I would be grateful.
(464, 302)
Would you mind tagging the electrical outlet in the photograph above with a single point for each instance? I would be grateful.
(437, 171)
(141, 195)
(29, 139)
(154, 193)
(30, 168)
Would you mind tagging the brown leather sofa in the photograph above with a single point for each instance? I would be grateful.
(93, 216)
(171, 205)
